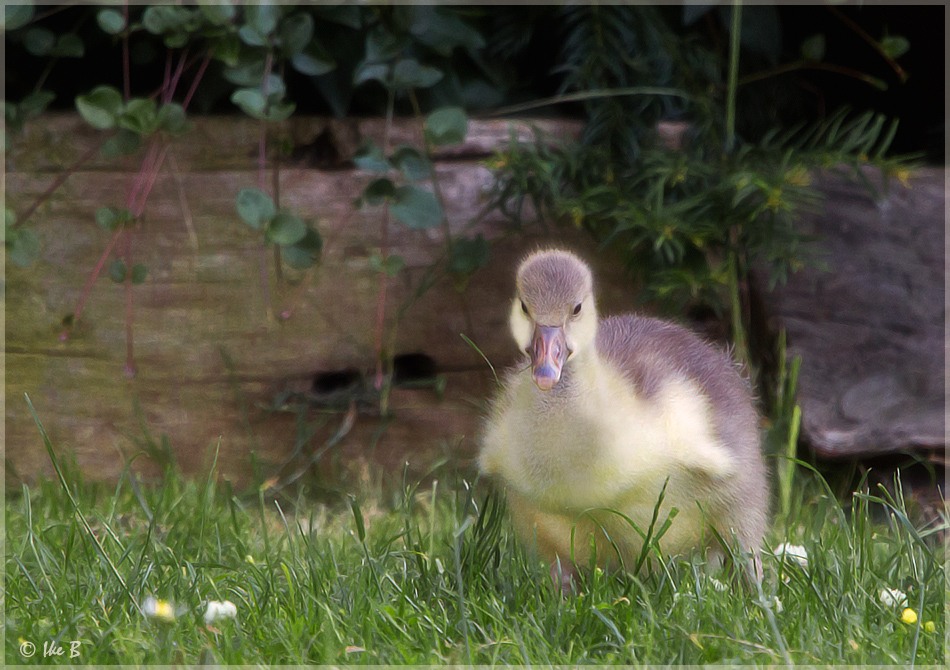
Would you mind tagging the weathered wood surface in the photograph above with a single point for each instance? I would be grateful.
(204, 296)
(871, 331)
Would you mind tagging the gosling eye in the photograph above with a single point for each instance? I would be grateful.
(524, 308)
(577, 309)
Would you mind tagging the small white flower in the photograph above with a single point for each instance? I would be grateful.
(216, 611)
(793, 552)
(892, 597)
(161, 610)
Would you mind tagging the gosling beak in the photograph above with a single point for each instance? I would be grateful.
(548, 351)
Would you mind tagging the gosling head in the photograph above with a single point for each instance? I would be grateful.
(553, 316)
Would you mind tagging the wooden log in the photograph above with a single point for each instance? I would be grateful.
(210, 358)
(870, 331)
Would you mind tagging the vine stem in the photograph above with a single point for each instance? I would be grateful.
(733, 76)
(384, 243)
(59, 181)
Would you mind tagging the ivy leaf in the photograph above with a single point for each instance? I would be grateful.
(448, 125)
(110, 21)
(254, 207)
(123, 143)
(100, 107)
(813, 48)
(118, 270)
(416, 208)
(409, 73)
(139, 273)
(285, 228)
(370, 157)
(296, 32)
(411, 162)
(895, 46)
(378, 190)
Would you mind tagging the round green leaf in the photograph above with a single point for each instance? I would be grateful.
(813, 48)
(391, 265)
(312, 61)
(251, 101)
(35, 103)
(217, 12)
(378, 190)
(171, 117)
(101, 107)
(140, 116)
(16, 16)
(139, 273)
(39, 41)
(285, 228)
(368, 71)
(370, 157)
(23, 247)
(110, 21)
(107, 219)
(123, 143)
(69, 46)
(251, 37)
(469, 254)
(305, 253)
(118, 270)
(416, 208)
(295, 33)
(247, 73)
(409, 73)
(895, 46)
(280, 112)
(297, 258)
(448, 125)
(411, 162)
(262, 17)
(311, 242)
(254, 207)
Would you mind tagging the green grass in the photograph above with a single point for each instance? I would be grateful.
(435, 577)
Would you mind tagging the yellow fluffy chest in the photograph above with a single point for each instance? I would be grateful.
(601, 445)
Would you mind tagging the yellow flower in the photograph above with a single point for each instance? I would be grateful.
(578, 215)
(903, 175)
(798, 176)
(160, 610)
(909, 616)
(774, 199)
(930, 627)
